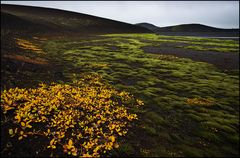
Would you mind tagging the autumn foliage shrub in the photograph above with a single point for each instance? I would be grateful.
(200, 101)
(27, 45)
(84, 118)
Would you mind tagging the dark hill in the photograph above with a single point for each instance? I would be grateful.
(37, 19)
(12, 22)
(148, 26)
(191, 29)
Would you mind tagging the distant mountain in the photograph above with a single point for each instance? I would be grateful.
(148, 26)
(38, 19)
(193, 28)
(190, 29)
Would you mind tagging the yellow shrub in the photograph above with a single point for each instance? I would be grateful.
(27, 45)
(84, 118)
(200, 101)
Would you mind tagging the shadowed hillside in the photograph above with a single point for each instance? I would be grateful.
(37, 19)
(191, 29)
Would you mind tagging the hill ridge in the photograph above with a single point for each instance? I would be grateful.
(189, 29)
(67, 20)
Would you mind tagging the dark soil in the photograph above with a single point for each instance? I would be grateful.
(225, 61)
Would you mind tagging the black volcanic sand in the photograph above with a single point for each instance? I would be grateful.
(225, 61)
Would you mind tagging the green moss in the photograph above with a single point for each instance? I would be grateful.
(231, 152)
(233, 139)
(209, 136)
(150, 130)
(164, 83)
(191, 151)
(155, 118)
(125, 149)
(218, 49)
(195, 117)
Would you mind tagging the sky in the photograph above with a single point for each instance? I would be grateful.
(221, 14)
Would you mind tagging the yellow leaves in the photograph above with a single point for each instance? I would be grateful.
(52, 144)
(16, 129)
(79, 136)
(29, 126)
(72, 114)
(97, 148)
(201, 101)
(47, 133)
(111, 126)
(61, 135)
(123, 93)
(89, 130)
(70, 148)
(132, 116)
(10, 131)
(109, 146)
(116, 145)
(88, 145)
(8, 102)
(7, 108)
(74, 152)
(86, 155)
(20, 138)
(42, 85)
(140, 102)
(70, 144)
(18, 118)
(112, 138)
(23, 124)
(26, 125)
(22, 135)
(43, 118)
(59, 95)
(52, 141)
(27, 45)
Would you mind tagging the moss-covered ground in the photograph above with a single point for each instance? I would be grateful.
(190, 108)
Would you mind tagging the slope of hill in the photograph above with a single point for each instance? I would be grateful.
(191, 29)
(55, 20)
(12, 22)
(148, 26)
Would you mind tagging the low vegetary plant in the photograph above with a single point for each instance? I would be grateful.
(200, 101)
(84, 118)
(27, 45)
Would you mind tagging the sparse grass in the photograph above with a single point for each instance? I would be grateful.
(218, 49)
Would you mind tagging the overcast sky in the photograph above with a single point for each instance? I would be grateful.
(223, 14)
